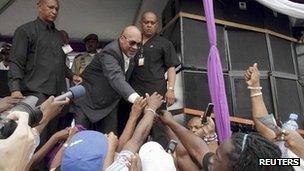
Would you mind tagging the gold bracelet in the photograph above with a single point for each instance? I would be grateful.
(256, 94)
(170, 88)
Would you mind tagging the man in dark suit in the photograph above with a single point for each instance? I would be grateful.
(105, 80)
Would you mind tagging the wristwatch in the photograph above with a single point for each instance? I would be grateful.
(170, 88)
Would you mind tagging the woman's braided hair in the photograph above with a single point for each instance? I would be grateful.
(248, 148)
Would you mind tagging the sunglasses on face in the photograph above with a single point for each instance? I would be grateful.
(132, 43)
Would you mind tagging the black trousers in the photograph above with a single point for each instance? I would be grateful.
(105, 125)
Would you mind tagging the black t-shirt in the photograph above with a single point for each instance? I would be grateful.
(158, 55)
(206, 160)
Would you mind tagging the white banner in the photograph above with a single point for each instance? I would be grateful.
(285, 7)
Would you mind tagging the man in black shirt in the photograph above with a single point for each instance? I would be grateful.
(155, 58)
(37, 64)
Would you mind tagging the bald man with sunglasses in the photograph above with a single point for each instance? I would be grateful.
(105, 80)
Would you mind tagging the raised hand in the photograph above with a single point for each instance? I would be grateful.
(209, 128)
(252, 76)
(51, 108)
(138, 106)
(154, 101)
(135, 163)
(8, 102)
(17, 94)
(165, 117)
(170, 97)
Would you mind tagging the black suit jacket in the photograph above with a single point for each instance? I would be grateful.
(105, 81)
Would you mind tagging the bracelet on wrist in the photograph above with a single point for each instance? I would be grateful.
(151, 110)
(256, 94)
(254, 88)
(170, 88)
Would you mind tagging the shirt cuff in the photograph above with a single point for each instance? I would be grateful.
(133, 97)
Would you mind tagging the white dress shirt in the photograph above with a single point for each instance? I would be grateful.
(135, 95)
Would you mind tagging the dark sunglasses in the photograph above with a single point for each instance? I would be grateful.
(132, 42)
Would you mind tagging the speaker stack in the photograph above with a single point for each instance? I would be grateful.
(247, 32)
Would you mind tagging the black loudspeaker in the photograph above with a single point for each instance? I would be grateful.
(288, 100)
(173, 34)
(196, 44)
(282, 55)
(170, 10)
(196, 7)
(244, 11)
(190, 37)
(276, 22)
(4, 89)
(301, 64)
(247, 12)
(196, 92)
(241, 11)
(246, 48)
(241, 96)
(173, 7)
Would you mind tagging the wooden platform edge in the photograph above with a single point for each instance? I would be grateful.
(199, 113)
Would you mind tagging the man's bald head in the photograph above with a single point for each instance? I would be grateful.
(130, 40)
(131, 30)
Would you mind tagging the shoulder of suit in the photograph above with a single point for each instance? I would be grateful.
(112, 48)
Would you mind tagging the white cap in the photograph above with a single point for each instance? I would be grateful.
(153, 157)
(293, 116)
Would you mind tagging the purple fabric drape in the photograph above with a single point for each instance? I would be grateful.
(215, 77)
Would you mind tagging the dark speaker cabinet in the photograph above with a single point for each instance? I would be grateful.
(276, 22)
(241, 96)
(196, 92)
(301, 64)
(288, 99)
(173, 7)
(238, 49)
(282, 55)
(191, 39)
(246, 48)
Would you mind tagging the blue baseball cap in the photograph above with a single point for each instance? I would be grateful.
(86, 151)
